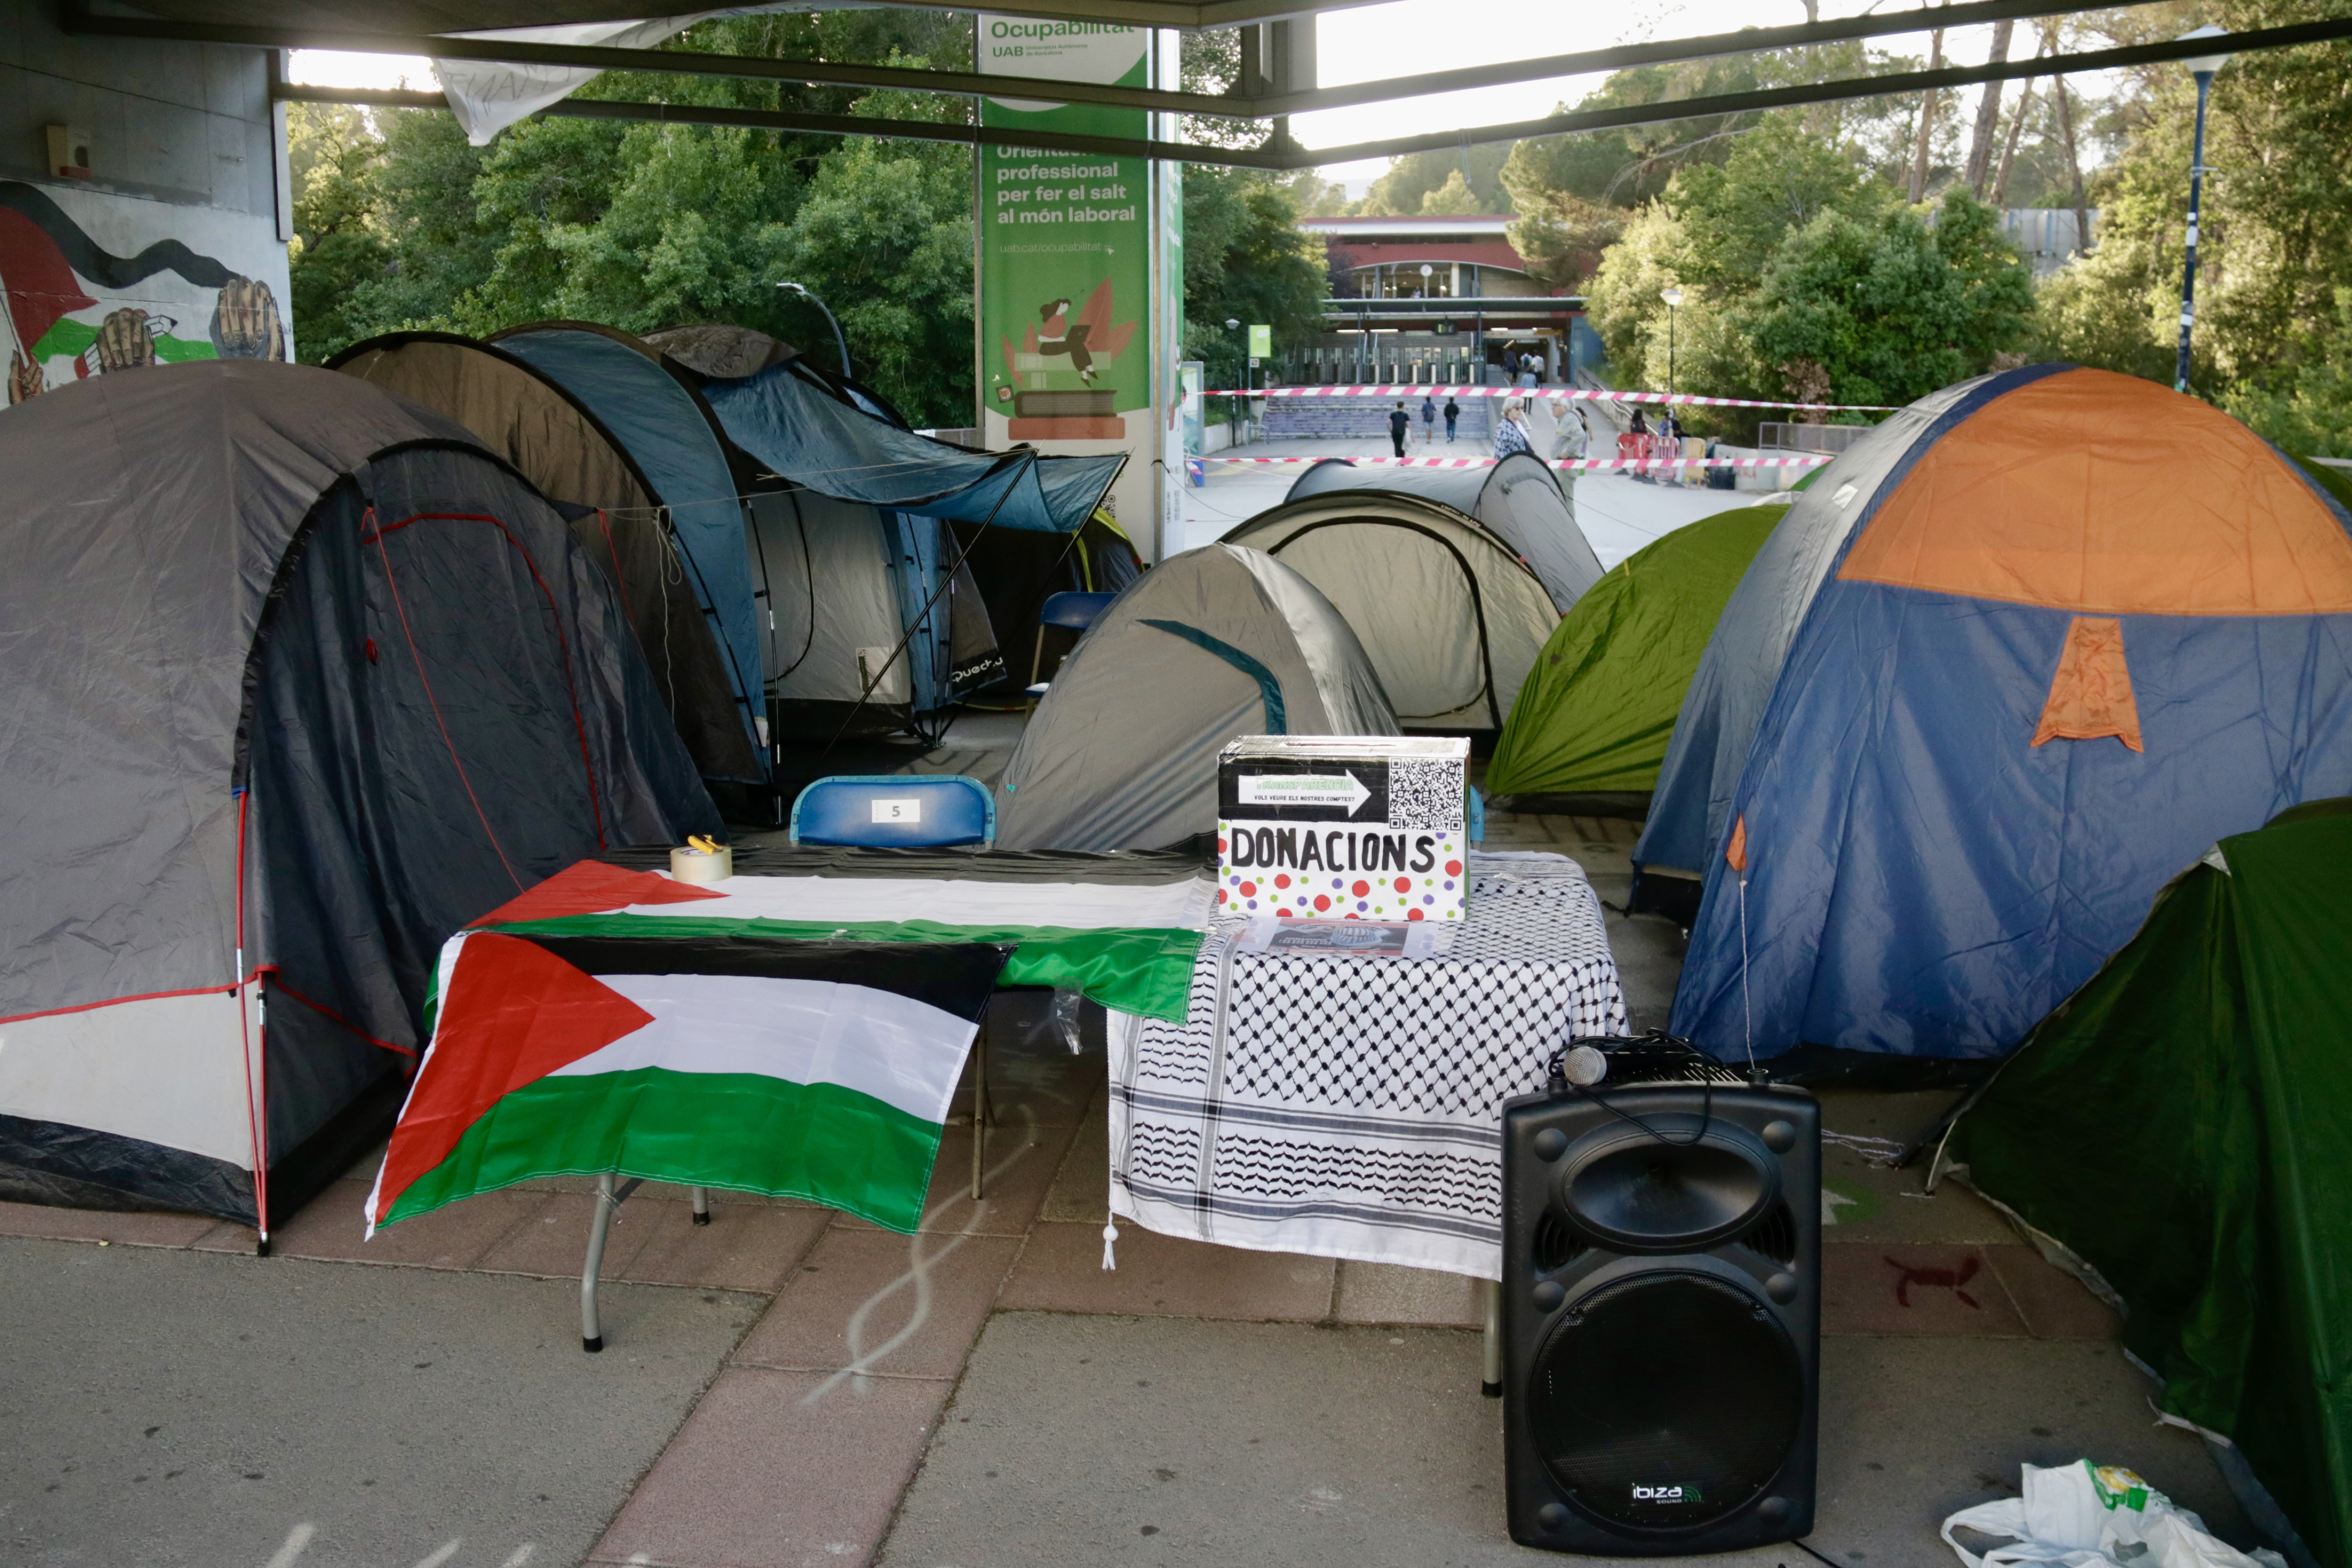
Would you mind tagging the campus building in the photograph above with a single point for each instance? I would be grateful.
(1434, 299)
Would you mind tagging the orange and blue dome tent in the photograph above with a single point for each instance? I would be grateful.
(2022, 653)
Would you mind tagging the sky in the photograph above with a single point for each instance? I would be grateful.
(1369, 43)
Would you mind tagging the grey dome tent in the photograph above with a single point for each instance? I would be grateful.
(300, 680)
(1518, 500)
(1208, 644)
(531, 420)
(1451, 617)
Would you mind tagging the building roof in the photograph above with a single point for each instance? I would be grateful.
(1415, 225)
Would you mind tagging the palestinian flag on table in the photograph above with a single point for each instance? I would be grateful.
(813, 1069)
(1122, 929)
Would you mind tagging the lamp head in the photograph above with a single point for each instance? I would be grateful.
(1232, 324)
(2205, 64)
(1673, 296)
(794, 287)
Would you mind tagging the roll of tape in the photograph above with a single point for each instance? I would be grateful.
(694, 865)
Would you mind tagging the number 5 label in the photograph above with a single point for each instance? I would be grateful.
(908, 810)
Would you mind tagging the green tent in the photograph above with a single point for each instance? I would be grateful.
(2182, 1125)
(2336, 481)
(1594, 715)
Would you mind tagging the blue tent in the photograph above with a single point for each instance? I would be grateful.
(2020, 654)
(668, 430)
(789, 418)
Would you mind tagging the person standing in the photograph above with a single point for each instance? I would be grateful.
(1428, 418)
(1570, 443)
(1399, 427)
(1452, 413)
(1511, 435)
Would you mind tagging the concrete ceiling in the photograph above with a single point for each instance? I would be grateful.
(401, 16)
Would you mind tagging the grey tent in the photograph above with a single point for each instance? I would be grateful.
(535, 423)
(1518, 500)
(1208, 644)
(1452, 618)
(860, 628)
(299, 678)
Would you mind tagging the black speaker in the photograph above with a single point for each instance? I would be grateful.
(1661, 1309)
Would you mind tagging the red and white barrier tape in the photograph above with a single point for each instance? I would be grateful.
(1575, 463)
(1566, 395)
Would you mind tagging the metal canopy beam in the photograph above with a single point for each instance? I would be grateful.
(1236, 105)
(1295, 157)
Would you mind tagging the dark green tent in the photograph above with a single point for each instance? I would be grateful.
(1594, 715)
(2336, 481)
(2182, 1125)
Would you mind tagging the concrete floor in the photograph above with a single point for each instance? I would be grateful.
(982, 1392)
(163, 1408)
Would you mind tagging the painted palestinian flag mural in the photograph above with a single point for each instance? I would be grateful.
(788, 1067)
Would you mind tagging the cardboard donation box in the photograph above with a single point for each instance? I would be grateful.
(1358, 827)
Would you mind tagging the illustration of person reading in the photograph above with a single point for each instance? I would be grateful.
(1055, 335)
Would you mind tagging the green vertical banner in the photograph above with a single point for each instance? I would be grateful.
(1076, 324)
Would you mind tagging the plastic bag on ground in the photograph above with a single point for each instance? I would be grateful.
(2095, 1516)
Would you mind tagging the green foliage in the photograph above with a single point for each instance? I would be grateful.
(1409, 181)
(2274, 260)
(333, 155)
(1886, 306)
(1801, 277)
(1244, 260)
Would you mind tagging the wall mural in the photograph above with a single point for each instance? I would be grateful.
(84, 298)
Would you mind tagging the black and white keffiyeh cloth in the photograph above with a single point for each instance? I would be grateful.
(1349, 1106)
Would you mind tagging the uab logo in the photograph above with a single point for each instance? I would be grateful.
(1665, 1494)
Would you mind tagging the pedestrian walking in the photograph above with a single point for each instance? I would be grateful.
(1573, 439)
(1571, 442)
(1452, 412)
(1428, 418)
(1511, 435)
(1399, 427)
(1640, 430)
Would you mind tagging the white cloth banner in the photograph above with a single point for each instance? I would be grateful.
(487, 96)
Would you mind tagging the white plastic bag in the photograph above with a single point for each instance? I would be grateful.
(2093, 1516)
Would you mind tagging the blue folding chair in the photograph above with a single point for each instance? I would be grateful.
(909, 811)
(1074, 610)
(895, 811)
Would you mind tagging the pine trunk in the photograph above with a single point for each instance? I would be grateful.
(1926, 124)
(1988, 113)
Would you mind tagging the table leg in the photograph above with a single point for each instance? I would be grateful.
(1491, 1376)
(979, 1105)
(592, 1334)
(701, 1196)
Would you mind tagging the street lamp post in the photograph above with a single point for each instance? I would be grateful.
(2202, 67)
(1673, 296)
(840, 343)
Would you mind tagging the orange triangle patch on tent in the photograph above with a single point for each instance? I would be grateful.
(2091, 694)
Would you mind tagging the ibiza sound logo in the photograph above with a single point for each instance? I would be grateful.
(1665, 1494)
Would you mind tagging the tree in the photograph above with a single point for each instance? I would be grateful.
(1411, 181)
(1244, 260)
(1803, 277)
(1886, 305)
(2274, 257)
(334, 155)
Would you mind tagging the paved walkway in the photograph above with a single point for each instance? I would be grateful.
(789, 1387)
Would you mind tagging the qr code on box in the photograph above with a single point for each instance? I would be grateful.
(1424, 793)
